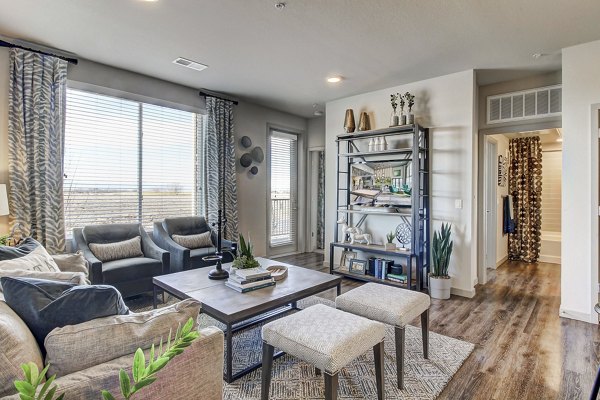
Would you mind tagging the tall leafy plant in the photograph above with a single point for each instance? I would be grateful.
(441, 250)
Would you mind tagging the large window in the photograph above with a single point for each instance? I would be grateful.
(127, 161)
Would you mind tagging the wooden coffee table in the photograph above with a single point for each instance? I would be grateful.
(242, 310)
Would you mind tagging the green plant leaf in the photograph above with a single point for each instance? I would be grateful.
(125, 383)
(50, 394)
(106, 395)
(144, 382)
(139, 365)
(25, 388)
(46, 387)
(27, 370)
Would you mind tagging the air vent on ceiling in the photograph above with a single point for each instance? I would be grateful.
(528, 104)
(184, 62)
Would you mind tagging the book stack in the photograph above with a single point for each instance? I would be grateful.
(379, 267)
(247, 280)
(401, 278)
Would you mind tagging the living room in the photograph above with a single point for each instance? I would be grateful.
(152, 153)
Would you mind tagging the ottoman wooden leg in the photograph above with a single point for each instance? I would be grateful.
(400, 356)
(425, 333)
(331, 386)
(267, 365)
(379, 370)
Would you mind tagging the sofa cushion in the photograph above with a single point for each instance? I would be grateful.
(76, 278)
(131, 269)
(29, 255)
(73, 262)
(194, 241)
(68, 348)
(118, 250)
(44, 305)
(17, 346)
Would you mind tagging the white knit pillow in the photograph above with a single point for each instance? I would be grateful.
(194, 241)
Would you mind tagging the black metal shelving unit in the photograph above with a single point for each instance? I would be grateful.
(351, 150)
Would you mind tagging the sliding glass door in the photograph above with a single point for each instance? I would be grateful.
(283, 199)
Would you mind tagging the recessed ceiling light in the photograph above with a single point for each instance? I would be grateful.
(334, 79)
(184, 62)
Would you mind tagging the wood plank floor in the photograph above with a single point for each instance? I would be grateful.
(523, 349)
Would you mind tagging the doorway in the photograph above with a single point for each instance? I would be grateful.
(283, 193)
(497, 192)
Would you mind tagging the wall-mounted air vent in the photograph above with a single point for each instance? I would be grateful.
(184, 62)
(528, 104)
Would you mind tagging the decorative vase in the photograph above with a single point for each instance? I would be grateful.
(394, 118)
(378, 144)
(363, 122)
(383, 144)
(372, 145)
(390, 247)
(411, 118)
(439, 287)
(349, 125)
(403, 118)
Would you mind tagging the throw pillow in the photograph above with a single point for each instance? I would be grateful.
(76, 278)
(28, 255)
(44, 305)
(17, 346)
(68, 348)
(74, 262)
(118, 250)
(194, 241)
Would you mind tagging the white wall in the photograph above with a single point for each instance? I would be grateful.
(501, 239)
(316, 133)
(448, 106)
(253, 121)
(579, 271)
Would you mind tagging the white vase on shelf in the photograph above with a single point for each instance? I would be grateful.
(372, 145)
(384, 145)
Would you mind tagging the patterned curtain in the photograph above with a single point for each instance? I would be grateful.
(321, 202)
(525, 185)
(218, 158)
(36, 132)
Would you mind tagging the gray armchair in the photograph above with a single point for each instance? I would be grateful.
(183, 258)
(131, 276)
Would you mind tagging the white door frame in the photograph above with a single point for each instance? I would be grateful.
(490, 208)
(301, 188)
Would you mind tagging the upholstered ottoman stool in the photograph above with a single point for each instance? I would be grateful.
(393, 306)
(327, 338)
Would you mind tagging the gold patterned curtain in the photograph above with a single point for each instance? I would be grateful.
(525, 185)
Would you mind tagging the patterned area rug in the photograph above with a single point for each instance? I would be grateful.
(295, 379)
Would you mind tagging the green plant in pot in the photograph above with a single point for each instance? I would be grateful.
(390, 241)
(245, 259)
(441, 250)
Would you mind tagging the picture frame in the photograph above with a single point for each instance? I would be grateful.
(358, 266)
(347, 256)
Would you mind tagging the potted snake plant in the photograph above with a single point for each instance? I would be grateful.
(441, 250)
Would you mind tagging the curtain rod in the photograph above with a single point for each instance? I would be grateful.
(205, 92)
(67, 59)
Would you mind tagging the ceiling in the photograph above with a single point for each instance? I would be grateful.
(280, 59)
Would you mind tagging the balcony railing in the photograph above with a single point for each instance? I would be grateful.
(281, 221)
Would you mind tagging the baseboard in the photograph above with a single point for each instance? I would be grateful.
(502, 261)
(549, 259)
(463, 293)
(578, 315)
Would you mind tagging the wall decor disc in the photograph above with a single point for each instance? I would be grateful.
(245, 160)
(254, 170)
(257, 154)
(246, 142)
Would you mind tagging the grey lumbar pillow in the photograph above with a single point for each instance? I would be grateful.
(194, 241)
(118, 250)
(29, 255)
